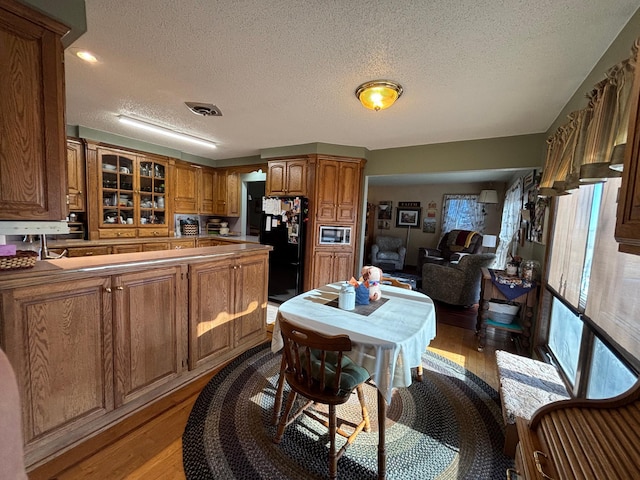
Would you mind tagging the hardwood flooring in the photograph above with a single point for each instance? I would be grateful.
(153, 450)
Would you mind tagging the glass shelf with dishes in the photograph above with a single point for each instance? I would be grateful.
(132, 189)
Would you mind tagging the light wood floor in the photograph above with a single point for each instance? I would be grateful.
(154, 450)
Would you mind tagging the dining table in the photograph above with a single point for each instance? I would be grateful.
(388, 337)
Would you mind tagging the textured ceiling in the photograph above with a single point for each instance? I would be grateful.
(284, 72)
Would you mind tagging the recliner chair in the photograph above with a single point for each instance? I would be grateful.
(451, 248)
(456, 283)
(388, 250)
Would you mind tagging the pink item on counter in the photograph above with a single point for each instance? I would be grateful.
(7, 250)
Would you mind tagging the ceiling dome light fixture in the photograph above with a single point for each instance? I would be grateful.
(378, 94)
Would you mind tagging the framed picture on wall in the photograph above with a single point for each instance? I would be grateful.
(408, 217)
(429, 225)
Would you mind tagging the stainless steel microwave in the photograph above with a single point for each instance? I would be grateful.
(335, 235)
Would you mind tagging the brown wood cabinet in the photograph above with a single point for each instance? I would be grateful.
(234, 316)
(627, 231)
(88, 251)
(131, 194)
(233, 194)
(76, 176)
(90, 349)
(33, 184)
(208, 180)
(58, 338)
(332, 266)
(220, 192)
(334, 200)
(149, 331)
(131, 248)
(184, 243)
(338, 192)
(287, 177)
(185, 180)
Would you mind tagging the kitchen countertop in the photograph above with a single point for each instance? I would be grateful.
(108, 264)
(120, 241)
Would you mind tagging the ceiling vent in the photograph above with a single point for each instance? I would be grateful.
(204, 109)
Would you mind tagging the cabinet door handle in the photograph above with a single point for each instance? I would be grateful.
(107, 289)
(119, 288)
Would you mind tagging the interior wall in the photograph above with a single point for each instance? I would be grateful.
(426, 194)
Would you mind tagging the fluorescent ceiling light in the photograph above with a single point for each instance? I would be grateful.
(165, 131)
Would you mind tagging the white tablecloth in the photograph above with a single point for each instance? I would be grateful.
(387, 343)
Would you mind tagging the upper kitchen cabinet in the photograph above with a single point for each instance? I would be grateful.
(185, 187)
(233, 194)
(627, 231)
(220, 192)
(76, 178)
(338, 189)
(131, 192)
(207, 191)
(287, 177)
(33, 176)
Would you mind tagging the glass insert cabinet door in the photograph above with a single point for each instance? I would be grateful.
(152, 193)
(133, 190)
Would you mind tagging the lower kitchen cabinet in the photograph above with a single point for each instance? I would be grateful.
(58, 339)
(149, 331)
(227, 308)
(332, 266)
(89, 350)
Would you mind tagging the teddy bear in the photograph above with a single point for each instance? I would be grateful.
(372, 277)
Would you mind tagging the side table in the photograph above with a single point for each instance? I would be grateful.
(521, 326)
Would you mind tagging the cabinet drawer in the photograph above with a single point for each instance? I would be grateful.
(117, 233)
(88, 251)
(133, 248)
(154, 247)
(153, 232)
(179, 244)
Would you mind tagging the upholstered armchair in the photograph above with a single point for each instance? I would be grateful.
(388, 251)
(453, 246)
(456, 283)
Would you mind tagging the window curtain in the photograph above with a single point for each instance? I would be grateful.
(510, 223)
(462, 212)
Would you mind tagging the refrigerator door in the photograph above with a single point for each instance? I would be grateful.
(286, 258)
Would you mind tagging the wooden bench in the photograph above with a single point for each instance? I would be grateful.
(525, 386)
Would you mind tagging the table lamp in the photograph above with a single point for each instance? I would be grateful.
(489, 241)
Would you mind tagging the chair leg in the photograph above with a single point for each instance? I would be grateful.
(363, 406)
(277, 402)
(419, 372)
(333, 459)
(283, 419)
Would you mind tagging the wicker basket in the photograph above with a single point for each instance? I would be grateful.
(190, 229)
(22, 259)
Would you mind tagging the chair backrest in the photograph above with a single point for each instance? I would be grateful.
(388, 243)
(314, 362)
(460, 241)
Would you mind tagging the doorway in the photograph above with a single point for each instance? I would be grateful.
(253, 189)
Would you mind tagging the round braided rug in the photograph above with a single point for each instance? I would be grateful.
(449, 426)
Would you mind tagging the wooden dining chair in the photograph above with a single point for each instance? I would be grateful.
(317, 369)
(397, 283)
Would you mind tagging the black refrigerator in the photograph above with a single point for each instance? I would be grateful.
(283, 227)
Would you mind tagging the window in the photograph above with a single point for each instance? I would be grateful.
(608, 375)
(510, 223)
(592, 330)
(565, 334)
(462, 212)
